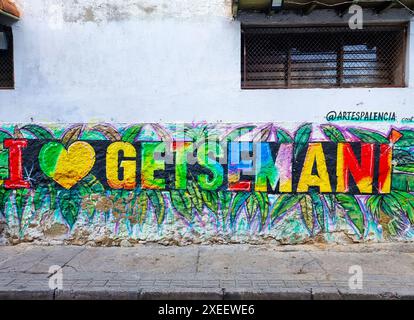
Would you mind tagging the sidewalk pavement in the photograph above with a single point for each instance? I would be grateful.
(207, 272)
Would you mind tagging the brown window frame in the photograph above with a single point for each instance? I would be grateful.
(7, 57)
(281, 71)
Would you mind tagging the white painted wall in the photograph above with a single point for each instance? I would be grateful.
(155, 61)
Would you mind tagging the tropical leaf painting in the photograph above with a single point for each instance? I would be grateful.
(215, 212)
(302, 137)
(131, 133)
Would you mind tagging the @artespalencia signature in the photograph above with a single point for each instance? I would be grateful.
(375, 116)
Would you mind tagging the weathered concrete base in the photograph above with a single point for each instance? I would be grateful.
(208, 272)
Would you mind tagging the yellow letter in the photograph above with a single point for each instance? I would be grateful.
(307, 179)
(129, 167)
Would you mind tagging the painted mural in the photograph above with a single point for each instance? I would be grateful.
(205, 183)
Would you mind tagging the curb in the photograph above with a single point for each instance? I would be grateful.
(214, 294)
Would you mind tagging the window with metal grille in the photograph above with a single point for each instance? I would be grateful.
(6, 58)
(323, 57)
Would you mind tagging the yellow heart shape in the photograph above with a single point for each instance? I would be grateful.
(74, 164)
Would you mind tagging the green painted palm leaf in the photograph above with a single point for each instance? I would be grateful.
(284, 203)
(353, 211)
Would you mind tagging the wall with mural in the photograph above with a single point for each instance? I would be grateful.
(205, 183)
(232, 178)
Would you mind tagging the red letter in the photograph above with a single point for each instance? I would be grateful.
(15, 180)
(363, 173)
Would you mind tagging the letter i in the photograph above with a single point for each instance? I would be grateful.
(15, 180)
(385, 162)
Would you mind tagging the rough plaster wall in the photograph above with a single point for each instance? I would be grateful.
(56, 13)
(153, 61)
